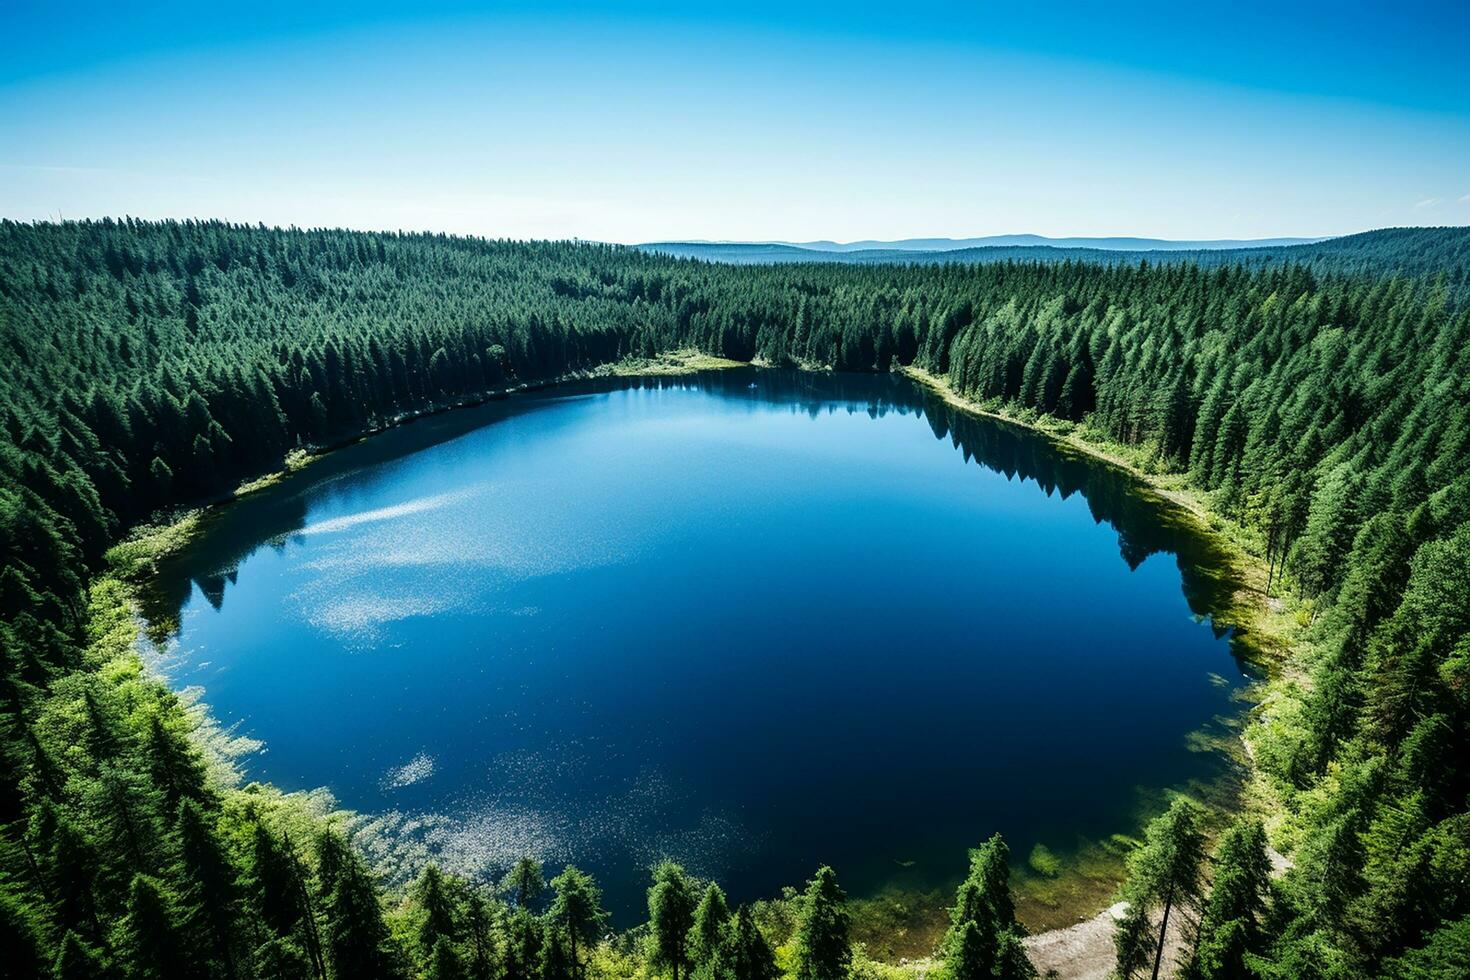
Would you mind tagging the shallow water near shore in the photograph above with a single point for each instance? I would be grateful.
(755, 620)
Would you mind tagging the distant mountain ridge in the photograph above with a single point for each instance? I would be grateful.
(1443, 251)
(1115, 243)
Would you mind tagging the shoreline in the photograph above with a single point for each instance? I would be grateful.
(153, 540)
(133, 560)
(1267, 622)
(1251, 609)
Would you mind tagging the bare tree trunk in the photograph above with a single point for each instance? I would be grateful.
(1163, 932)
(1270, 559)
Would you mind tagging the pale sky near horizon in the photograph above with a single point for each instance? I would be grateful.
(762, 121)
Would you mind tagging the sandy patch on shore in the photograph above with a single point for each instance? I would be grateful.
(1085, 951)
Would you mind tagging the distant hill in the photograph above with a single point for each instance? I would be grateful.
(1115, 244)
(1405, 251)
(874, 250)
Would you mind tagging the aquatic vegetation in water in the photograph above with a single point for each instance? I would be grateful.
(1044, 862)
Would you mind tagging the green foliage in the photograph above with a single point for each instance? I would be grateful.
(1444, 957)
(280, 958)
(20, 937)
(983, 938)
(76, 960)
(524, 938)
(210, 900)
(971, 954)
(577, 910)
(746, 955)
(1320, 408)
(1134, 940)
(437, 910)
(152, 940)
(356, 939)
(524, 882)
(707, 933)
(823, 946)
(481, 926)
(670, 918)
(1164, 872)
(1232, 925)
(444, 962)
(1044, 862)
(1305, 954)
(557, 962)
(277, 882)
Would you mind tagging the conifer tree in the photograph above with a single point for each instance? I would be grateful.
(437, 908)
(983, 901)
(127, 809)
(1133, 940)
(823, 946)
(444, 961)
(524, 882)
(671, 904)
(971, 955)
(479, 925)
(524, 939)
(1331, 524)
(151, 942)
(356, 937)
(174, 764)
(1164, 871)
(577, 908)
(1011, 961)
(747, 955)
(1233, 920)
(708, 932)
(1176, 431)
(76, 959)
(20, 938)
(74, 863)
(211, 899)
(557, 962)
(280, 958)
(278, 882)
(1443, 957)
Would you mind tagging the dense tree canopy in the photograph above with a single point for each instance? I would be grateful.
(1324, 411)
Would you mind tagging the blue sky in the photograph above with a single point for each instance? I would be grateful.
(643, 121)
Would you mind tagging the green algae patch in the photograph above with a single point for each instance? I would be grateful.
(1071, 887)
(1044, 862)
(900, 924)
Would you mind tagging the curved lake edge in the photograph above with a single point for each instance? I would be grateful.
(1264, 630)
(898, 923)
(1260, 630)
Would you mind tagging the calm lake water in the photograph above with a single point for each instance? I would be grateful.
(754, 620)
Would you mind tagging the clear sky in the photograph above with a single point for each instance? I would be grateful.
(769, 120)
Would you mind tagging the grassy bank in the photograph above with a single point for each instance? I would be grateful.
(664, 365)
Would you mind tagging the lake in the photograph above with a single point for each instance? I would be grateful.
(755, 620)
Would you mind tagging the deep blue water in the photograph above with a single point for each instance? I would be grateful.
(817, 620)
